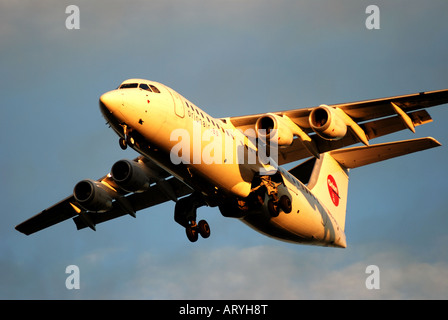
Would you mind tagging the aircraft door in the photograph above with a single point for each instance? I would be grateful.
(179, 107)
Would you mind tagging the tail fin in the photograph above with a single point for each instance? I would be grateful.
(329, 183)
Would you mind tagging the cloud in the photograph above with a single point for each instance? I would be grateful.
(252, 272)
(271, 272)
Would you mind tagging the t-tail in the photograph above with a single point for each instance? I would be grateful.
(329, 176)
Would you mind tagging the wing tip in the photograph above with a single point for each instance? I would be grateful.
(22, 229)
(434, 142)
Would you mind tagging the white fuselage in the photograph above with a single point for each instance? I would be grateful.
(212, 157)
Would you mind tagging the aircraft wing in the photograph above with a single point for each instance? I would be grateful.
(138, 201)
(166, 188)
(372, 118)
(48, 217)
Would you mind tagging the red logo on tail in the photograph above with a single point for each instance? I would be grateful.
(333, 189)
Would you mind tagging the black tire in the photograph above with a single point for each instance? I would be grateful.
(130, 141)
(123, 143)
(272, 208)
(192, 233)
(285, 204)
(204, 229)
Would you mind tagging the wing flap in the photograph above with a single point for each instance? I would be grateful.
(382, 127)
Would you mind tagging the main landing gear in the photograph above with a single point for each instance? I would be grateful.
(274, 207)
(185, 215)
(275, 203)
(193, 230)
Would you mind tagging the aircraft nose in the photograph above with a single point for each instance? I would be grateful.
(111, 101)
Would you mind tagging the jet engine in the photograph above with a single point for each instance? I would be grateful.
(271, 128)
(327, 124)
(93, 196)
(131, 176)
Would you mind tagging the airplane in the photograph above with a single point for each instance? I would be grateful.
(236, 163)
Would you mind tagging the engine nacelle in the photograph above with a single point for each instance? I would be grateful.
(92, 196)
(327, 124)
(131, 176)
(271, 128)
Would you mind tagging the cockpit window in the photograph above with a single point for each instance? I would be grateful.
(144, 86)
(128, 85)
(154, 89)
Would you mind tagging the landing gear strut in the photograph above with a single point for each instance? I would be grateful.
(185, 215)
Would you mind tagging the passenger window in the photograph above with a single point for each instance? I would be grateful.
(144, 86)
(154, 89)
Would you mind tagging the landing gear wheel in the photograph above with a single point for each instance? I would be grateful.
(123, 143)
(285, 204)
(192, 233)
(273, 209)
(204, 229)
(130, 141)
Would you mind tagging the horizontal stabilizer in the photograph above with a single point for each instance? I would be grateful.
(361, 156)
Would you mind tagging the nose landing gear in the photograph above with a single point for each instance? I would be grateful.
(123, 144)
(127, 140)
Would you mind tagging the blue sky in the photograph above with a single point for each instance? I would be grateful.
(229, 58)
